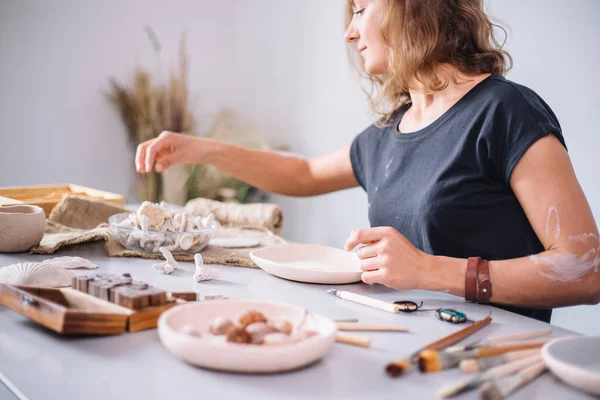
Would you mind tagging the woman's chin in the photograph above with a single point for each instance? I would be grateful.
(374, 68)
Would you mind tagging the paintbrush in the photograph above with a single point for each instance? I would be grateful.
(492, 374)
(483, 364)
(502, 339)
(497, 390)
(398, 368)
(434, 361)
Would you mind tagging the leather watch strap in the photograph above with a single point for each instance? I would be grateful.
(471, 279)
(484, 284)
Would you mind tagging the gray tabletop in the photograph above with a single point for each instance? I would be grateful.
(38, 364)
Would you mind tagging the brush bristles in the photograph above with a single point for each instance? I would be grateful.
(429, 361)
(489, 391)
(397, 368)
(469, 366)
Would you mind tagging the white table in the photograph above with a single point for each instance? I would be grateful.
(44, 365)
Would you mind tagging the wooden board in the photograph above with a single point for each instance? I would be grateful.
(146, 318)
(68, 311)
(47, 196)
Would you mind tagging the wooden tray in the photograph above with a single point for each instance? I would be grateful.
(47, 196)
(68, 311)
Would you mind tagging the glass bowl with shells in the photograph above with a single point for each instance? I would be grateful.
(154, 226)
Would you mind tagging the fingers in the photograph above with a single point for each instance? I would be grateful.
(376, 276)
(367, 235)
(370, 264)
(148, 153)
(368, 251)
(151, 151)
(140, 156)
(163, 161)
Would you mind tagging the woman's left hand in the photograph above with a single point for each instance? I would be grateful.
(389, 258)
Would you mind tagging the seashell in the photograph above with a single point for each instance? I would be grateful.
(167, 226)
(183, 223)
(186, 242)
(221, 326)
(258, 330)
(282, 326)
(198, 223)
(70, 262)
(176, 221)
(189, 227)
(144, 223)
(36, 274)
(275, 338)
(190, 331)
(152, 215)
(152, 237)
(207, 222)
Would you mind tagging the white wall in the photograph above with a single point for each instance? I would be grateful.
(55, 60)
(281, 63)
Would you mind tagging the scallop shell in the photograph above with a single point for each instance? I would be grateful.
(35, 274)
(70, 262)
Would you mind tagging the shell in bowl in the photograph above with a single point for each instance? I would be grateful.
(36, 275)
(21, 227)
(185, 241)
(206, 350)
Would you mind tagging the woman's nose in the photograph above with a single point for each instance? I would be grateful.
(351, 34)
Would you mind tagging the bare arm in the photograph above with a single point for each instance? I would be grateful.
(272, 171)
(567, 272)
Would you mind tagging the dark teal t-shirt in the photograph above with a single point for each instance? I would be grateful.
(446, 187)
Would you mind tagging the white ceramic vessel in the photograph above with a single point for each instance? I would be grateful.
(575, 360)
(309, 263)
(214, 352)
(21, 228)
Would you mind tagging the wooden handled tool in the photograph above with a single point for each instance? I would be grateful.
(434, 361)
(353, 340)
(398, 368)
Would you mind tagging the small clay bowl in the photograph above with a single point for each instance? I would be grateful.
(21, 228)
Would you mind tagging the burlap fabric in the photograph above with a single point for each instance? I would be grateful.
(77, 220)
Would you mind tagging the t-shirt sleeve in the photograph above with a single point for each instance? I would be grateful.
(522, 119)
(357, 155)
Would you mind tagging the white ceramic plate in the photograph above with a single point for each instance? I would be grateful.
(576, 361)
(234, 242)
(213, 352)
(309, 263)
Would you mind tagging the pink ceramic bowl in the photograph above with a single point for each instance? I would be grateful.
(214, 352)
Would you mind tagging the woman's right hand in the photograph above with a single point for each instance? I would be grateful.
(168, 149)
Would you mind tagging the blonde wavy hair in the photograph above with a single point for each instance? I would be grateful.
(421, 35)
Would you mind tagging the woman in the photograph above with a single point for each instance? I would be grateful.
(464, 166)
